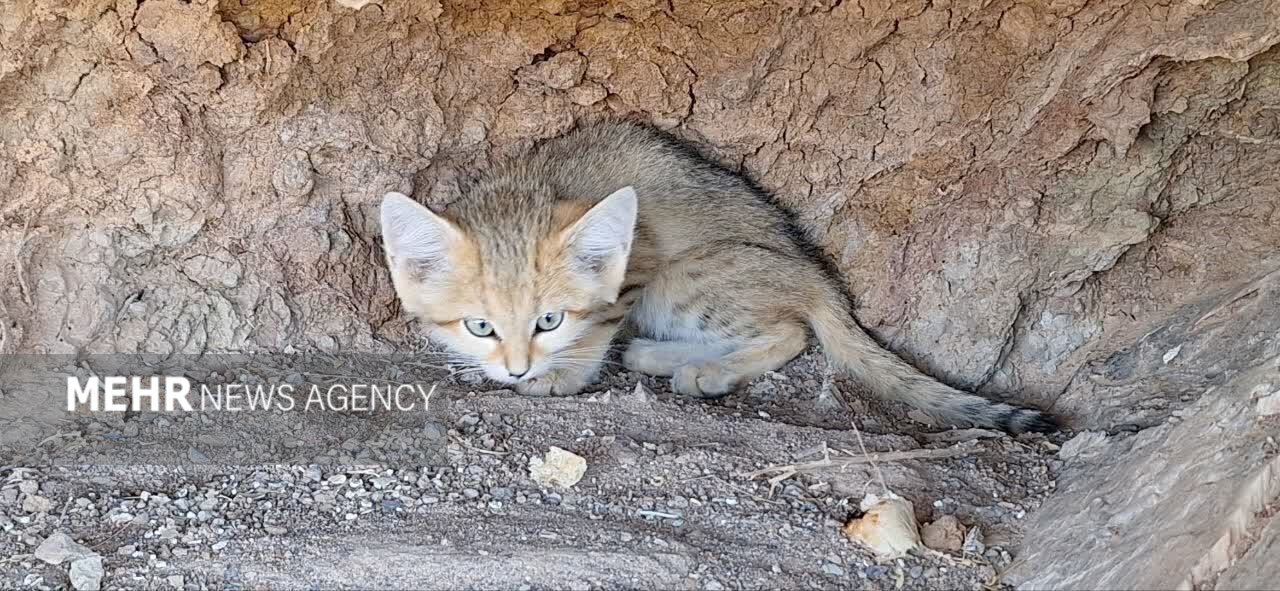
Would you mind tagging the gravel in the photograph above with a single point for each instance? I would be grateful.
(668, 499)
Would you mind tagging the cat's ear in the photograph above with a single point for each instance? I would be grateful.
(599, 243)
(415, 235)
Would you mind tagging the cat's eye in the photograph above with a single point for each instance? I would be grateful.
(550, 321)
(479, 327)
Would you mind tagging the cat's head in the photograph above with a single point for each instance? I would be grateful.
(510, 291)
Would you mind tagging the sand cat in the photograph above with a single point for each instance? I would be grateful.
(532, 271)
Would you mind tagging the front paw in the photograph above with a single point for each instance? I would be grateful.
(554, 383)
(704, 380)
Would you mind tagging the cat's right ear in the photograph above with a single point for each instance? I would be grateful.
(415, 235)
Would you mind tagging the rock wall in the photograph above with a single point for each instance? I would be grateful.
(1180, 505)
(1073, 200)
(1012, 187)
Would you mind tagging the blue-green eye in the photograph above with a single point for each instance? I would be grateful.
(550, 321)
(479, 327)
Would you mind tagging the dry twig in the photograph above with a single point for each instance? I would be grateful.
(783, 472)
(464, 443)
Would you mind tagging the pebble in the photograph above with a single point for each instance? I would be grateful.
(59, 547)
(242, 504)
(86, 573)
(944, 534)
(973, 542)
(37, 504)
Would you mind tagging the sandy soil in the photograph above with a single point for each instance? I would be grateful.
(444, 499)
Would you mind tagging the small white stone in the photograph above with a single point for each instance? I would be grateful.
(37, 504)
(888, 526)
(121, 518)
(59, 548)
(86, 573)
(558, 468)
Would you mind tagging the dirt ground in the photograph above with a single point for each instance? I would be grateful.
(1073, 202)
(443, 498)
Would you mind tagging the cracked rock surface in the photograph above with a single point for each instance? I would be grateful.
(1072, 203)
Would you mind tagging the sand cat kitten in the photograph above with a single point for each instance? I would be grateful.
(534, 269)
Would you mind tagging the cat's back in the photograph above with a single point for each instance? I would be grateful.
(596, 156)
(683, 196)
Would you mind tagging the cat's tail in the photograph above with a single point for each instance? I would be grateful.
(853, 351)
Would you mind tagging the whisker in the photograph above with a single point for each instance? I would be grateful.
(582, 353)
(582, 363)
(585, 360)
(594, 348)
(467, 371)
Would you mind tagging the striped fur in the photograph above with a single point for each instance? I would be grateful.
(618, 224)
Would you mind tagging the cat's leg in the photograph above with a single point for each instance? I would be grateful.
(576, 366)
(661, 358)
(743, 303)
(773, 348)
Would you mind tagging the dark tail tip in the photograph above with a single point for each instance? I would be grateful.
(1024, 420)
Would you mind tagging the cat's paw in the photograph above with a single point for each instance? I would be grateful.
(641, 357)
(704, 380)
(554, 383)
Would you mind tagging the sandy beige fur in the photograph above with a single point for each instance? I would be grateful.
(618, 224)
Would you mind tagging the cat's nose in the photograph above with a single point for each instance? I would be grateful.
(515, 375)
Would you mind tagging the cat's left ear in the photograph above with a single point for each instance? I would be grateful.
(600, 241)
